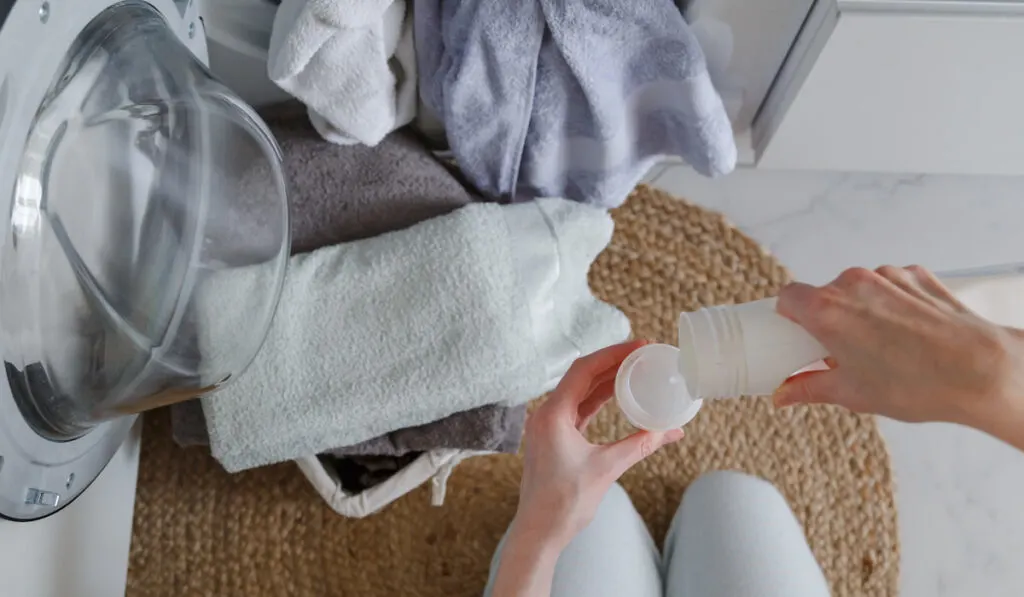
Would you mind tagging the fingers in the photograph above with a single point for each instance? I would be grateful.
(623, 454)
(820, 310)
(919, 283)
(817, 310)
(933, 286)
(832, 312)
(594, 403)
(796, 300)
(578, 380)
(905, 281)
(812, 387)
(600, 380)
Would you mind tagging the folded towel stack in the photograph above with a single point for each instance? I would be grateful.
(341, 194)
(416, 328)
(472, 311)
(490, 302)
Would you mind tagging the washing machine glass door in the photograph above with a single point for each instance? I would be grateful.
(148, 228)
(143, 233)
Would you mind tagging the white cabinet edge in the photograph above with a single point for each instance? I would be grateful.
(898, 92)
(935, 7)
(814, 34)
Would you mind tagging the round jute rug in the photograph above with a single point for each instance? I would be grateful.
(200, 531)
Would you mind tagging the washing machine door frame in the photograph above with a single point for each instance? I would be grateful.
(39, 477)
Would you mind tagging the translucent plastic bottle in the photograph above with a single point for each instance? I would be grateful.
(749, 349)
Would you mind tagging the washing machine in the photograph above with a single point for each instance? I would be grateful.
(133, 185)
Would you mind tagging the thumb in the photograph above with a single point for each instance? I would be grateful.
(811, 387)
(626, 452)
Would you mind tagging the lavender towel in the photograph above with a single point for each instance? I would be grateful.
(560, 98)
(346, 193)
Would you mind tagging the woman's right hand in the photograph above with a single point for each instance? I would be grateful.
(903, 346)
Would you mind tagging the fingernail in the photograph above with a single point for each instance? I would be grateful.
(674, 435)
(781, 398)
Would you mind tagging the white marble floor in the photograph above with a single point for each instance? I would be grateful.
(960, 493)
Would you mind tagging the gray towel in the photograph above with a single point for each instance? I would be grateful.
(476, 426)
(560, 98)
(487, 304)
(341, 194)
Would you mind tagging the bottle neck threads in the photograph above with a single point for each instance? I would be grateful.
(741, 350)
(712, 355)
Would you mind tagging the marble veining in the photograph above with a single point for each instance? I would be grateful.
(960, 493)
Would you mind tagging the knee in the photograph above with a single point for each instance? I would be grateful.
(728, 489)
(718, 482)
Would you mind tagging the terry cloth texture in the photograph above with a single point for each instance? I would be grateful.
(487, 304)
(352, 62)
(340, 194)
(560, 98)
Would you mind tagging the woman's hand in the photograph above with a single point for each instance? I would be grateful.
(903, 346)
(565, 476)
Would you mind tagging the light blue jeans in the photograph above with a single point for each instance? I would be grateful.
(732, 536)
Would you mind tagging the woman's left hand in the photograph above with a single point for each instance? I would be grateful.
(565, 477)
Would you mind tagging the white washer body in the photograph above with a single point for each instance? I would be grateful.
(38, 476)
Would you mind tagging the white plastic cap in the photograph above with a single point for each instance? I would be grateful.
(651, 391)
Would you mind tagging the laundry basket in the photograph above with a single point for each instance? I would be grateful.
(434, 466)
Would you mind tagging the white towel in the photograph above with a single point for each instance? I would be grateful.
(352, 62)
(488, 303)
